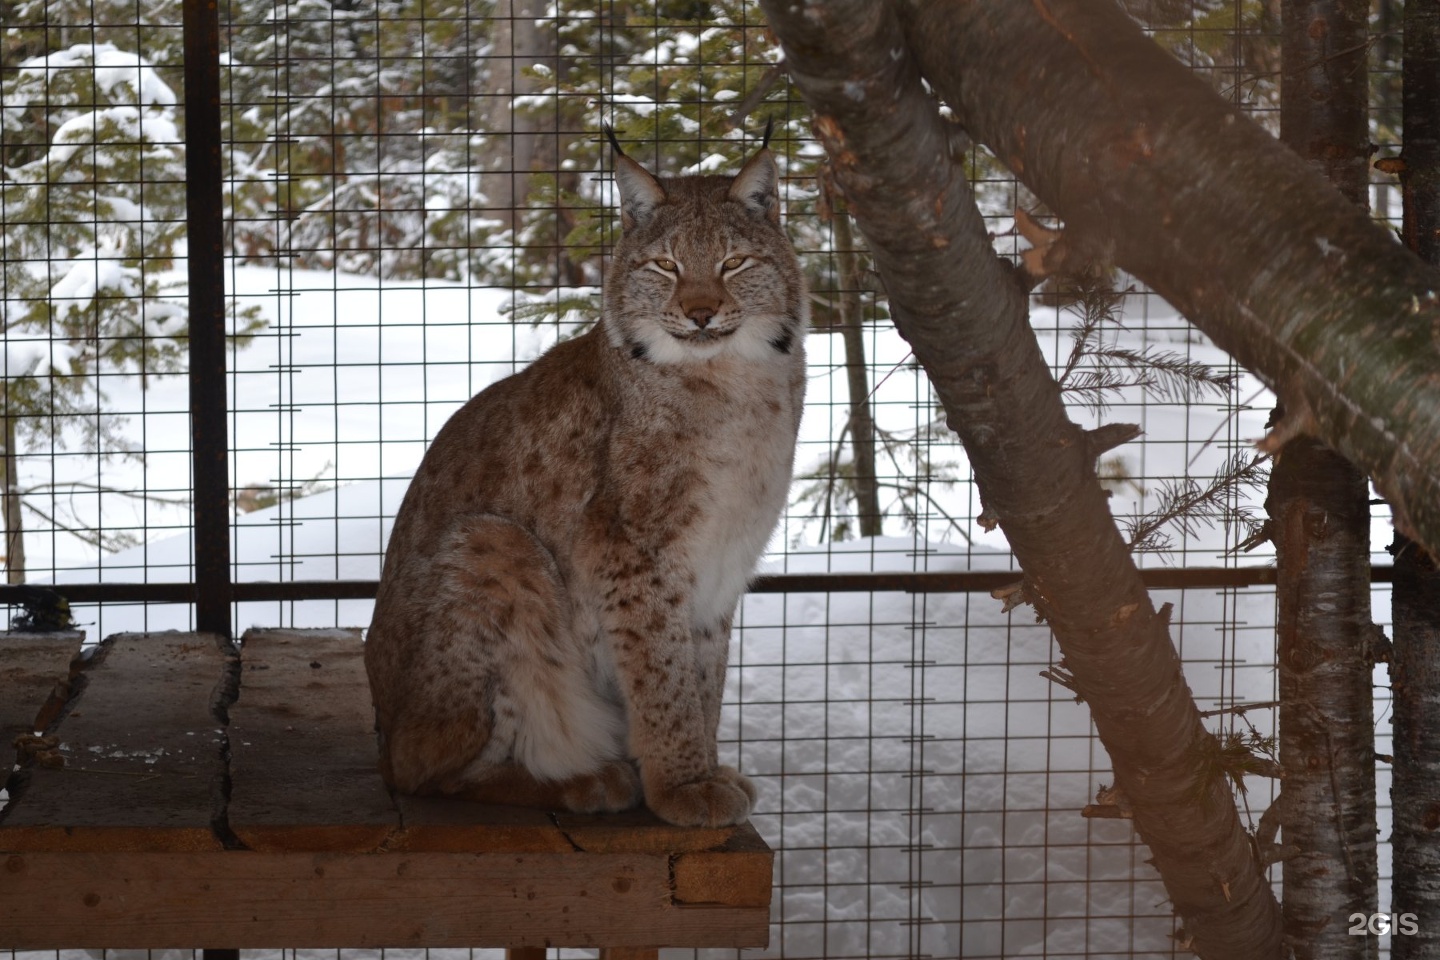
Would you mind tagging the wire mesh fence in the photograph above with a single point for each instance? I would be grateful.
(417, 202)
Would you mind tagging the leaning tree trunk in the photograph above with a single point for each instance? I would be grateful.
(1319, 507)
(1415, 602)
(1240, 234)
(965, 315)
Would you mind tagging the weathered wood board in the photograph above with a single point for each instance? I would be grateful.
(142, 754)
(302, 746)
(438, 825)
(35, 673)
(123, 847)
(266, 900)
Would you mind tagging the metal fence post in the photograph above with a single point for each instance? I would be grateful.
(206, 263)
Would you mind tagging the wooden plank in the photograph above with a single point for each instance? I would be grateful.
(442, 825)
(736, 874)
(35, 675)
(258, 900)
(638, 831)
(142, 752)
(117, 849)
(302, 746)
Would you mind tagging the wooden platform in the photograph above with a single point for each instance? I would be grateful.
(185, 796)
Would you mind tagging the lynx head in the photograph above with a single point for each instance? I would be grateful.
(703, 268)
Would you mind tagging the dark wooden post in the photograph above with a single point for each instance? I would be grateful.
(206, 260)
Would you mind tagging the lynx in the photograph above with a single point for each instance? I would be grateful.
(553, 621)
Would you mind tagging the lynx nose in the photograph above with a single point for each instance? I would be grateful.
(701, 313)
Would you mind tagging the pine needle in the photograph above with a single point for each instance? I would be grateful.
(1186, 504)
(1099, 370)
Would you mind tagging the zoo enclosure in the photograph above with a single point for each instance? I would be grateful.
(342, 183)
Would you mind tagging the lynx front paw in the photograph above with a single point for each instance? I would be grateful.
(731, 775)
(718, 801)
(615, 786)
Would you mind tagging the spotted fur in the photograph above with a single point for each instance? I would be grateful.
(553, 621)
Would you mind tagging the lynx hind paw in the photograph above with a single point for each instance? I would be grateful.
(615, 786)
(718, 801)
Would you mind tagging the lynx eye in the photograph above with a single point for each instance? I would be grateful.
(667, 265)
(733, 263)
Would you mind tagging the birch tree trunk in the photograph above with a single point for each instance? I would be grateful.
(1319, 507)
(1415, 601)
(966, 317)
(1240, 234)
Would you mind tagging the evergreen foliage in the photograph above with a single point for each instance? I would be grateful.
(367, 135)
(92, 221)
(93, 209)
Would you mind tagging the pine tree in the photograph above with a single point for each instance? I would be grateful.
(323, 119)
(92, 214)
(92, 204)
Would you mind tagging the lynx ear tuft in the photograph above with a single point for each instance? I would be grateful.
(614, 142)
(640, 193)
(757, 186)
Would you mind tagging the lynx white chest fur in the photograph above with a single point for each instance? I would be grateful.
(553, 621)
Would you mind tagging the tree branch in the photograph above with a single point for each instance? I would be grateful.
(1240, 234)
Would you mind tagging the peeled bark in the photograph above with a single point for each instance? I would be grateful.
(1240, 234)
(1420, 120)
(1325, 90)
(1415, 600)
(1319, 507)
(1415, 784)
(1320, 518)
(965, 315)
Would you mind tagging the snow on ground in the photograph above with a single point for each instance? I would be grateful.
(306, 402)
(921, 782)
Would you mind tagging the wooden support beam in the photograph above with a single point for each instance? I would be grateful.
(309, 900)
